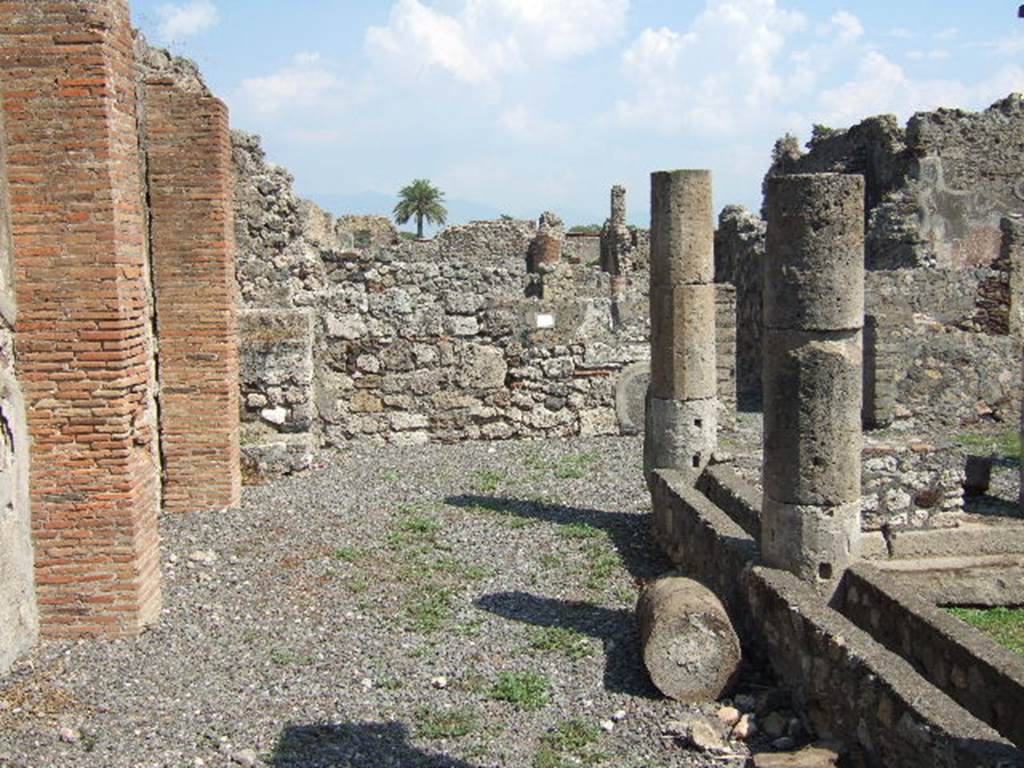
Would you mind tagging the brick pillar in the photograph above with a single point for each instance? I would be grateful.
(813, 316)
(682, 404)
(191, 198)
(83, 335)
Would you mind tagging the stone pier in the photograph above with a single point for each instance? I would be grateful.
(682, 402)
(813, 317)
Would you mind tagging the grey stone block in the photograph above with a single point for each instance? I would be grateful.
(682, 228)
(683, 355)
(814, 260)
(680, 435)
(812, 407)
(817, 543)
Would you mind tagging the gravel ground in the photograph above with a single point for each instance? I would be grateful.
(451, 606)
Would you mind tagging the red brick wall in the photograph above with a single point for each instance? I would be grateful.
(83, 332)
(191, 191)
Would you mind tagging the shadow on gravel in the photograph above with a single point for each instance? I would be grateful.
(629, 533)
(355, 745)
(623, 669)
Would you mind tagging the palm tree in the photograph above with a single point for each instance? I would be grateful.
(422, 200)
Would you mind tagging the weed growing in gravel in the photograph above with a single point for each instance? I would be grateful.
(573, 644)
(626, 595)
(569, 743)
(565, 467)
(348, 554)
(574, 467)
(488, 480)
(580, 531)
(283, 657)
(358, 585)
(601, 564)
(429, 607)
(551, 561)
(470, 628)
(423, 526)
(455, 723)
(524, 690)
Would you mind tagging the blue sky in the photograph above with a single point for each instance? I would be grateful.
(520, 106)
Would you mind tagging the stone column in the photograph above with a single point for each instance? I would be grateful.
(813, 317)
(682, 403)
(618, 218)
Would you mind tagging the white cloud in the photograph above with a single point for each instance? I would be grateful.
(181, 21)
(303, 83)
(522, 124)
(848, 26)
(937, 54)
(485, 39)
(719, 73)
(947, 34)
(881, 86)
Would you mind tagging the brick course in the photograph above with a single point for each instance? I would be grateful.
(84, 342)
(191, 200)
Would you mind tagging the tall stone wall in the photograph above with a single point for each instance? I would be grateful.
(739, 260)
(84, 344)
(191, 201)
(448, 339)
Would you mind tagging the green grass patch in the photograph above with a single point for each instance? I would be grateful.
(525, 691)
(429, 607)
(432, 723)
(574, 467)
(1004, 625)
(570, 743)
(348, 554)
(283, 657)
(580, 531)
(569, 642)
(488, 480)
(1002, 446)
(421, 526)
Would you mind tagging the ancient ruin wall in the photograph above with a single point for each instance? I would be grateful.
(84, 345)
(942, 199)
(424, 340)
(191, 203)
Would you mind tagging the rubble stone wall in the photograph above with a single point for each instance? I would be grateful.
(408, 341)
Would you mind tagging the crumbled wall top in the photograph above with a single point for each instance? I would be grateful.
(159, 62)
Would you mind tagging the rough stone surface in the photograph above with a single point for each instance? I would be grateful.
(813, 374)
(815, 542)
(682, 230)
(680, 434)
(739, 260)
(814, 257)
(683, 349)
(812, 436)
(691, 651)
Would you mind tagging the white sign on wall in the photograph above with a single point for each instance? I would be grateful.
(545, 321)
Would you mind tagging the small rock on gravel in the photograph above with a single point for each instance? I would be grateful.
(809, 757)
(745, 728)
(729, 716)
